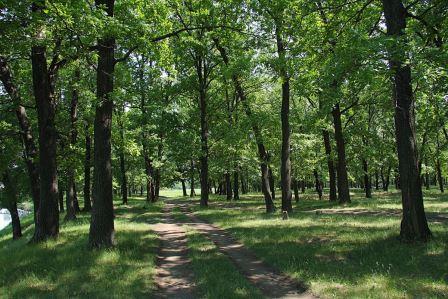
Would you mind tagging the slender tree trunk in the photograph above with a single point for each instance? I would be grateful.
(192, 192)
(124, 179)
(228, 186)
(184, 188)
(272, 183)
(30, 150)
(367, 183)
(285, 168)
(70, 215)
(61, 197)
(377, 181)
(204, 130)
(296, 189)
(11, 204)
(262, 153)
(102, 232)
(414, 225)
(48, 216)
(317, 184)
(331, 170)
(439, 175)
(343, 189)
(236, 190)
(87, 199)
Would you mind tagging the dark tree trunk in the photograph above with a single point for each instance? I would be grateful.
(236, 190)
(243, 185)
(192, 192)
(377, 180)
(296, 189)
(184, 188)
(156, 183)
(262, 153)
(367, 183)
(285, 169)
(343, 189)
(439, 175)
(48, 215)
(11, 204)
(330, 163)
(87, 199)
(75, 199)
(414, 225)
(201, 71)
(302, 183)
(30, 151)
(317, 184)
(71, 187)
(102, 232)
(228, 186)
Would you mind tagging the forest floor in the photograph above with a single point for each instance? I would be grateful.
(334, 251)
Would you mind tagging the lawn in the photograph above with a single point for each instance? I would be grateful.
(65, 267)
(356, 256)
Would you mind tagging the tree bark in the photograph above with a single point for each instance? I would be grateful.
(271, 182)
(102, 232)
(296, 189)
(87, 199)
(236, 191)
(228, 186)
(30, 150)
(48, 215)
(61, 197)
(184, 188)
(439, 175)
(285, 168)
(11, 205)
(317, 184)
(414, 225)
(367, 183)
(192, 192)
(331, 170)
(343, 189)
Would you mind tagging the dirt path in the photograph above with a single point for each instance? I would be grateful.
(269, 281)
(174, 277)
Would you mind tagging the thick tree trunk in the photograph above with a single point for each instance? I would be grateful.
(48, 215)
(87, 199)
(414, 225)
(102, 232)
(30, 150)
(285, 169)
(439, 175)
(343, 189)
(262, 153)
(367, 183)
(330, 163)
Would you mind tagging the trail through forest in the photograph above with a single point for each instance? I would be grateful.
(268, 280)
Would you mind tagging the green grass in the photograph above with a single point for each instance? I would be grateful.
(65, 267)
(356, 256)
(215, 275)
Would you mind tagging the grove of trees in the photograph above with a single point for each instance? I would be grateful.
(112, 98)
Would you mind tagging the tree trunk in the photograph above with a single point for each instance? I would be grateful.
(414, 225)
(236, 191)
(70, 215)
(262, 153)
(439, 175)
(30, 151)
(48, 215)
(11, 204)
(367, 183)
(184, 188)
(87, 200)
(343, 189)
(61, 197)
(228, 186)
(102, 232)
(124, 179)
(331, 170)
(204, 130)
(272, 183)
(317, 184)
(296, 189)
(285, 169)
(192, 192)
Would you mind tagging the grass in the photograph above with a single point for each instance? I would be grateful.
(340, 256)
(65, 267)
(216, 276)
